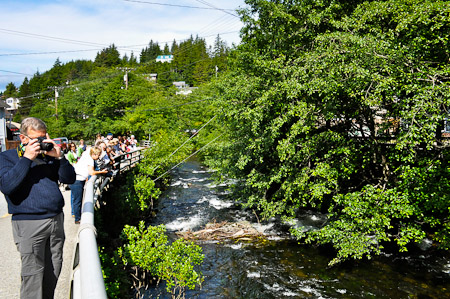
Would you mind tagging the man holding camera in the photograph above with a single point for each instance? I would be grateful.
(29, 178)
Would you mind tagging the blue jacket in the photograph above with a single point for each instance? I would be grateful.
(31, 187)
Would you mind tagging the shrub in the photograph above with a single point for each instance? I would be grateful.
(149, 249)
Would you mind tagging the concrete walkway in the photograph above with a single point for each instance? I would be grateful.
(10, 258)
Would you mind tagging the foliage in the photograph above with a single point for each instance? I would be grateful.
(108, 57)
(338, 106)
(149, 249)
(10, 91)
(113, 274)
(150, 53)
(91, 97)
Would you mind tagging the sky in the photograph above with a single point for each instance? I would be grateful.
(35, 33)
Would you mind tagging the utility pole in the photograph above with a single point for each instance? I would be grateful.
(125, 77)
(56, 99)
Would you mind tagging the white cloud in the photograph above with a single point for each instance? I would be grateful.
(55, 26)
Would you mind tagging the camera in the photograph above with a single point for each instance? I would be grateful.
(45, 146)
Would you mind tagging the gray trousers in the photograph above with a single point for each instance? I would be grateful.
(40, 243)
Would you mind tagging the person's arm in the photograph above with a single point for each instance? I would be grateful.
(71, 158)
(66, 172)
(96, 172)
(80, 151)
(12, 173)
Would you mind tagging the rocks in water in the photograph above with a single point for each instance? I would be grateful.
(242, 230)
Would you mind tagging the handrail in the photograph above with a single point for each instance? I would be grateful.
(91, 276)
(87, 276)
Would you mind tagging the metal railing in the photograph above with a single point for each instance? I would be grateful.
(87, 277)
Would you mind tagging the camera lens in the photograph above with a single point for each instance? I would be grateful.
(45, 146)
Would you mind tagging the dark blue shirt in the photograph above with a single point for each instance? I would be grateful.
(31, 187)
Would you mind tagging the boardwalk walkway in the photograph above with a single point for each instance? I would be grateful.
(10, 259)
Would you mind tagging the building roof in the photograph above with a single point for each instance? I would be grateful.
(12, 124)
(164, 57)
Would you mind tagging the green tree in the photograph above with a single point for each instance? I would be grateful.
(336, 106)
(108, 57)
(133, 60)
(26, 101)
(10, 90)
(174, 47)
(166, 50)
(220, 53)
(150, 53)
(191, 61)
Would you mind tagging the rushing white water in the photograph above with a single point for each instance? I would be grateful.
(277, 266)
(184, 224)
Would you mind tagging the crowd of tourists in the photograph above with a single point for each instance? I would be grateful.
(101, 159)
(30, 178)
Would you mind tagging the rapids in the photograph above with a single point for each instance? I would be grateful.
(279, 267)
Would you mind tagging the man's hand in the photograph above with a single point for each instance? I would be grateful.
(32, 149)
(56, 151)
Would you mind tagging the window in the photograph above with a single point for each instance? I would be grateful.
(446, 125)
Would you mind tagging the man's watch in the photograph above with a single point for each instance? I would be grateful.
(61, 155)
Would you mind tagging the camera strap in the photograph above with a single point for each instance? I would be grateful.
(21, 151)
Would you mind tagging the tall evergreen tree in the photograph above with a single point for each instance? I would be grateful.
(125, 59)
(219, 54)
(10, 91)
(26, 102)
(166, 50)
(133, 60)
(150, 53)
(187, 55)
(174, 47)
(108, 57)
(55, 74)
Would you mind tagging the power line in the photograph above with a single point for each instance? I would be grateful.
(34, 35)
(214, 7)
(52, 52)
(177, 5)
(206, 145)
(98, 79)
(64, 87)
(175, 151)
(99, 49)
(34, 95)
(15, 73)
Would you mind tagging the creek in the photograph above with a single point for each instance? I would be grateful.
(279, 267)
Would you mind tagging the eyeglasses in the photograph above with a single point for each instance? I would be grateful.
(39, 137)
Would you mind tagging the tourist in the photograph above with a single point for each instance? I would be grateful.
(84, 168)
(72, 155)
(133, 142)
(98, 138)
(29, 178)
(81, 148)
(108, 138)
